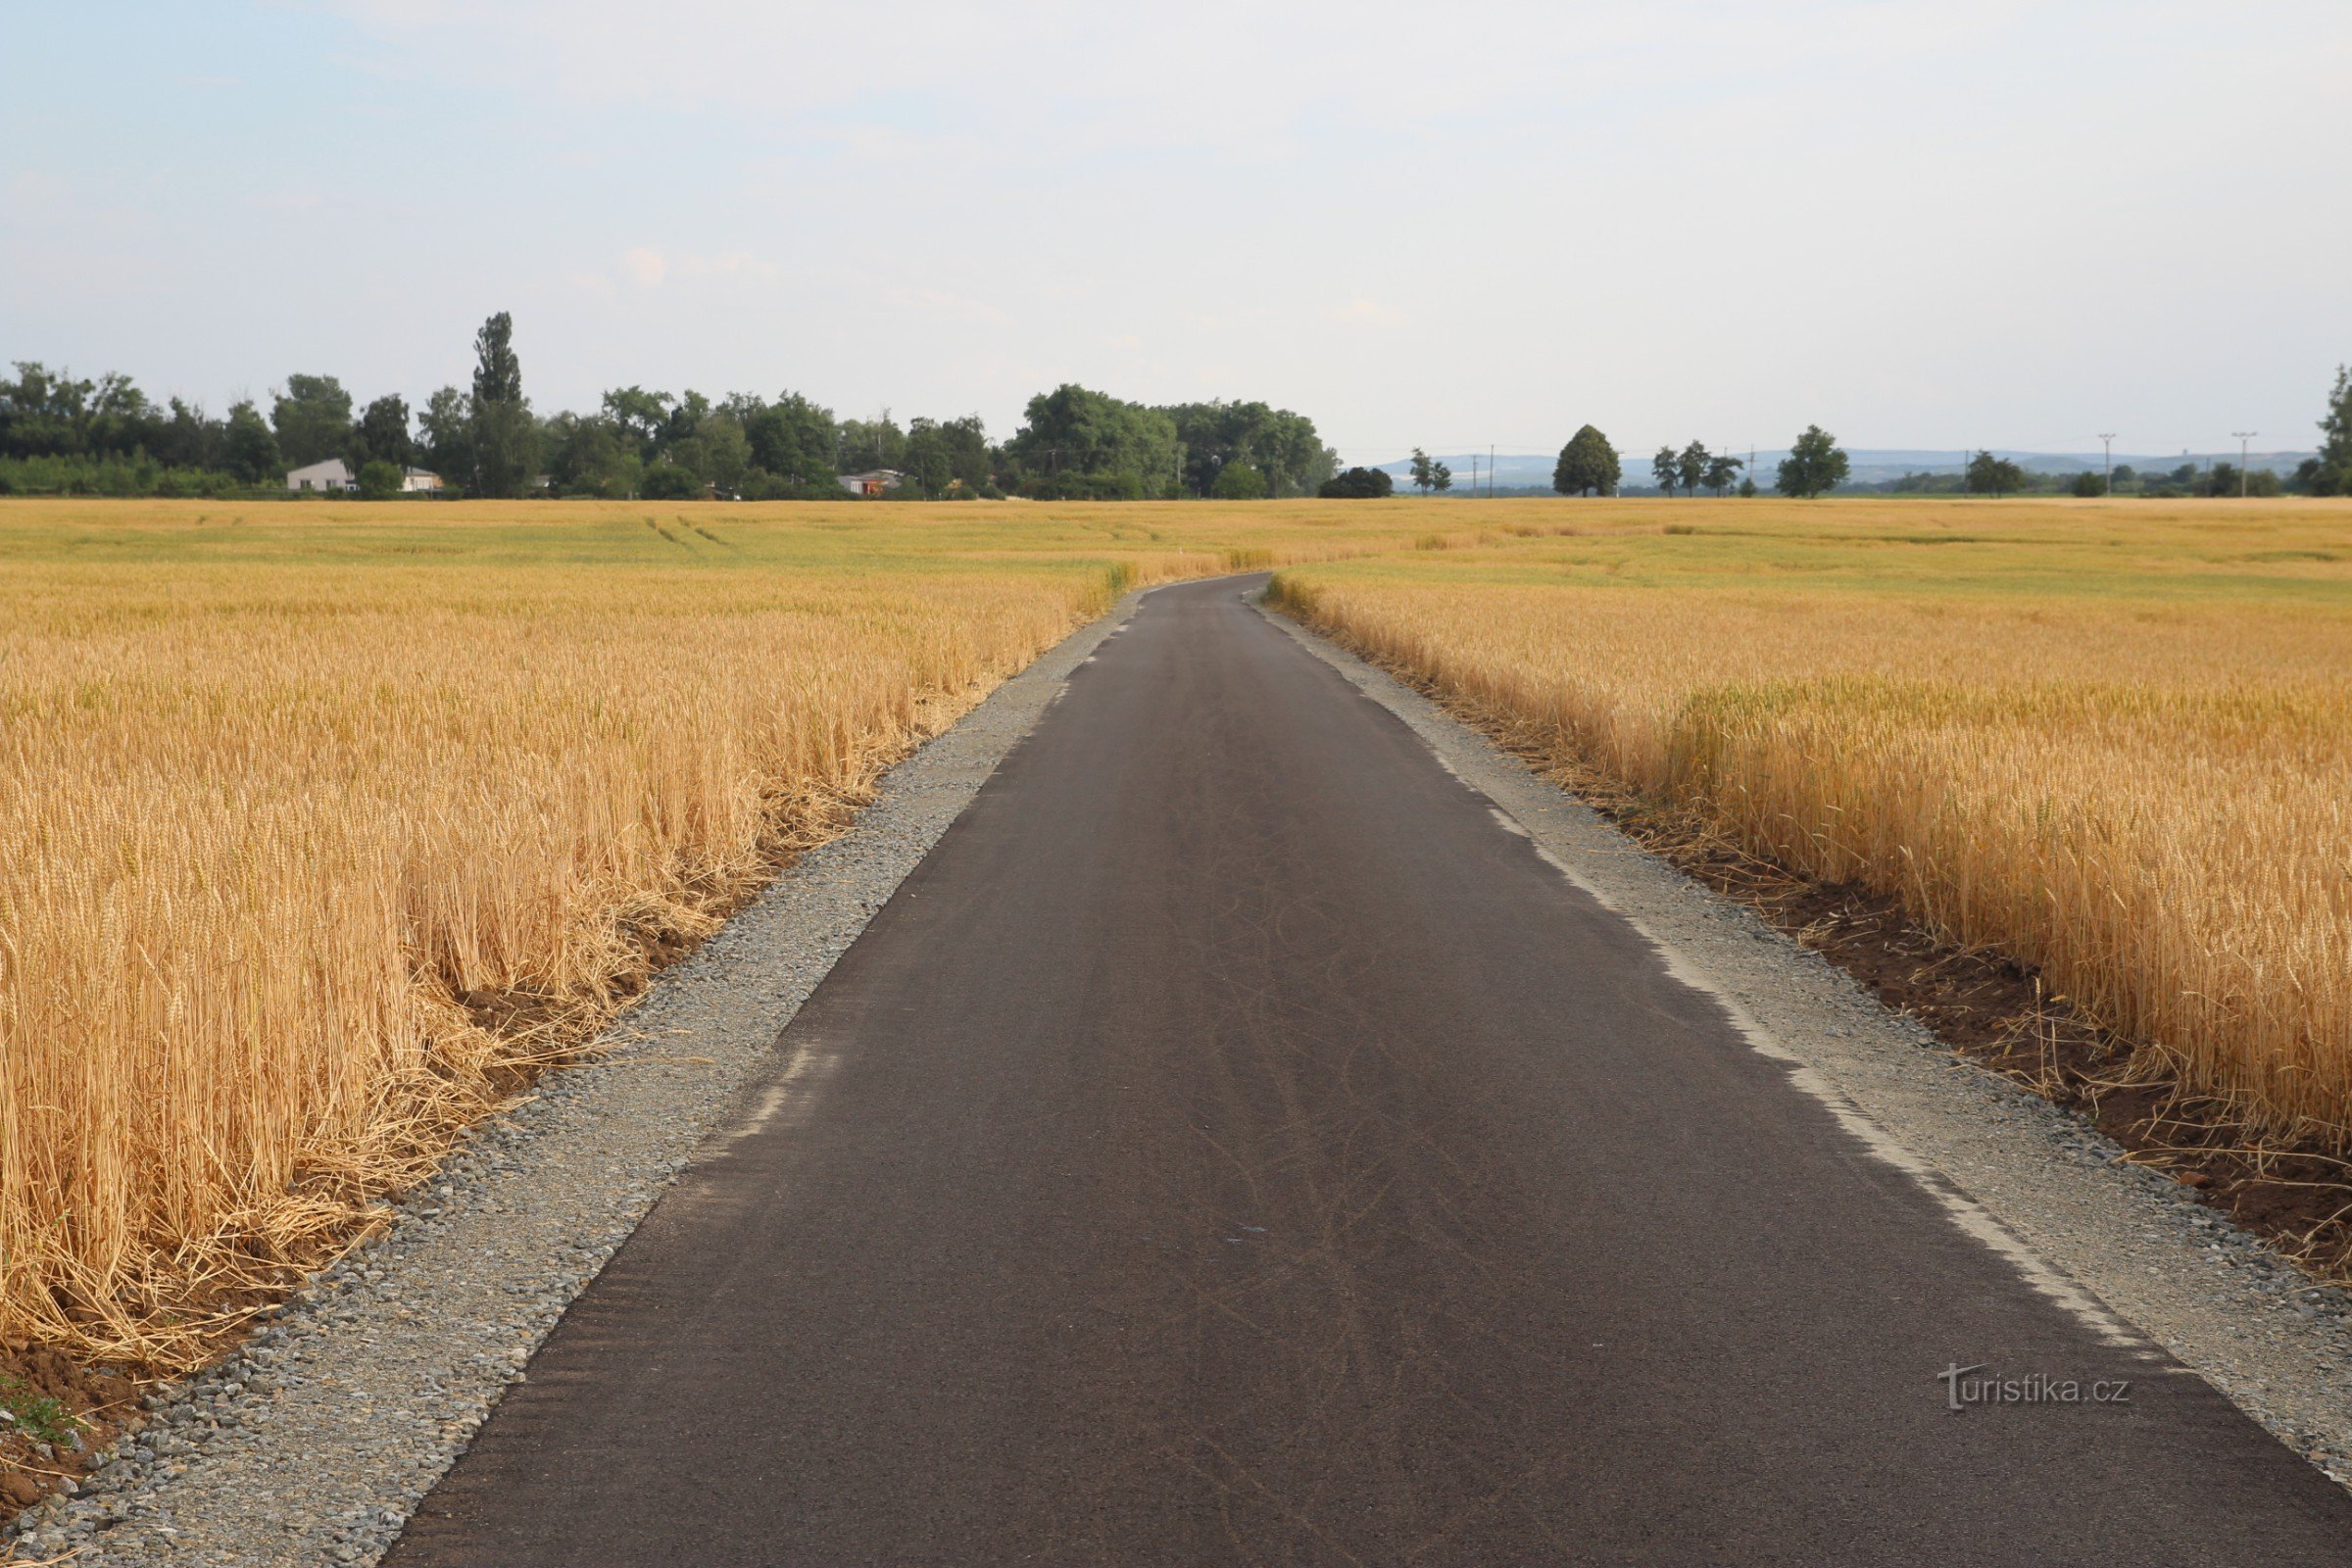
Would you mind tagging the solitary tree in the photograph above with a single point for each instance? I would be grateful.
(1424, 472)
(1440, 478)
(505, 451)
(1815, 465)
(1587, 462)
(1693, 463)
(1722, 469)
(1988, 476)
(1667, 468)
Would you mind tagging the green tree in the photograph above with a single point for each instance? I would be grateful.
(379, 481)
(794, 440)
(2333, 474)
(870, 444)
(1358, 485)
(382, 433)
(1666, 469)
(726, 454)
(670, 480)
(1078, 442)
(590, 455)
(1815, 466)
(506, 455)
(250, 450)
(1280, 443)
(1422, 470)
(1988, 476)
(2223, 481)
(1440, 478)
(1694, 466)
(1587, 462)
(1238, 481)
(447, 426)
(1748, 486)
(1722, 469)
(640, 417)
(2090, 484)
(312, 419)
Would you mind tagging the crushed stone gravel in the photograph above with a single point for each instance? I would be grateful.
(2219, 1301)
(314, 1442)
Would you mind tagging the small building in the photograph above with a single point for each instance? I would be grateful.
(871, 483)
(332, 475)
(419, 482)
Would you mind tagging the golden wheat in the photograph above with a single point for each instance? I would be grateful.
(2146, 795)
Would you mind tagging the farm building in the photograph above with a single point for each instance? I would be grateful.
(332, 475)
(872, 483)
(336, 474)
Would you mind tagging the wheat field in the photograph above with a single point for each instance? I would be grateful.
(2112, 740)
(324, 824)
(320, 824)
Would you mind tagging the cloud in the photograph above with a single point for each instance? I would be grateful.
(645, 266)
(1371, 312)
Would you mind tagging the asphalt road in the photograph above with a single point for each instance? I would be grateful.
(1234, 1144)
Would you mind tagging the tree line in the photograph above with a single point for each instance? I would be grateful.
(104, 436)
(1588, 465)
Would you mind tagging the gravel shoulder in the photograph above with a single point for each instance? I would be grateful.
(313, 1445)
(2214, 1298)
(314, 1442)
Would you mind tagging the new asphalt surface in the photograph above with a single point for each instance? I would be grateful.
(1235, 1144)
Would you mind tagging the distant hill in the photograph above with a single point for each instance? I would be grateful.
(1871, 465)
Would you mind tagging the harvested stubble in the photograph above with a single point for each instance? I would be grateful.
(2146, 796)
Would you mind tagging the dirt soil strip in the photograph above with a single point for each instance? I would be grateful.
(2225, 1303)
(312, 1444)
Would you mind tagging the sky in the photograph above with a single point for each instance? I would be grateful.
(1978, 222)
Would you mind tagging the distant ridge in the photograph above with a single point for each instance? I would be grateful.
(1522, 470)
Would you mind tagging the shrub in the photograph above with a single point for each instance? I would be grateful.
(1358, 485)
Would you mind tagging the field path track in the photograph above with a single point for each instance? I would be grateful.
(1237, 1142)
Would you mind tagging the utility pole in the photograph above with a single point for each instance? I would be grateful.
(2107, 448)
(2243, 437)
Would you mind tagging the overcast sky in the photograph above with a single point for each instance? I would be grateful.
(1919, 224)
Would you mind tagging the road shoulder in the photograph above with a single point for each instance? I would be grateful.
(2058, 1194)
(314, 1442)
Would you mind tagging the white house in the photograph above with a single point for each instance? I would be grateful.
(332, 475)
(336, 474)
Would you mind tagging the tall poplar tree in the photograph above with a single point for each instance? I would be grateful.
(506, 444)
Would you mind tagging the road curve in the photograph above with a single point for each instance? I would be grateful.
(1234, 1143)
